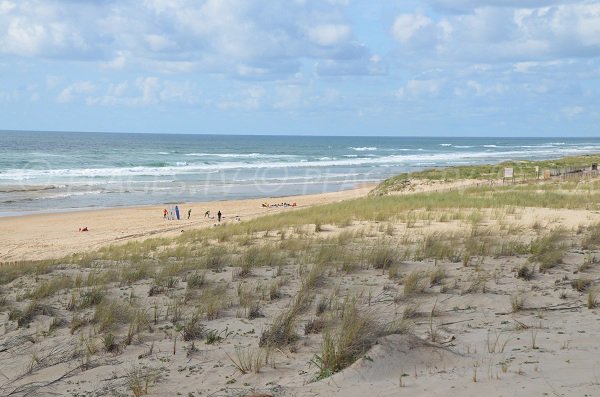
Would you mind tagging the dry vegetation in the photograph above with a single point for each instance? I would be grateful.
(240, 306)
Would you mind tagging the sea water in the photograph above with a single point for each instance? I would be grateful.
(53, 171)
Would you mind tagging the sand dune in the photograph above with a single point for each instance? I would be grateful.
(440, 292)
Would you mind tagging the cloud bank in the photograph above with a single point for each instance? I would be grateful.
(505, 61)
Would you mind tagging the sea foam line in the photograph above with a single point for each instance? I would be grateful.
(436, 158)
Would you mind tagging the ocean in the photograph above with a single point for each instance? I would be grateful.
(57, 171)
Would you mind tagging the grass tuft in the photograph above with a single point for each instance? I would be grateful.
(549, 250)
(382, 256)
(581, 284)
(413, 283)
(248, 359)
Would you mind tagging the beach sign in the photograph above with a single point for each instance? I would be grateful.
(509, 173)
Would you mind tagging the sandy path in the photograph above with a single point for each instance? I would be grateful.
(44, 236)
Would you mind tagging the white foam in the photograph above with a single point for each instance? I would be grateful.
(92, 175)
(241, 155)
(364, 149)
(70, 194)
(445, 144)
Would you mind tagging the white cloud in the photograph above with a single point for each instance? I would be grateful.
(22, 38)
(249, 99)
(117, 63)
(32, 28)
(53, 81)
(329, 34)
(289, 97)
(525, 67)
(10, 96)
(178, 92)
(75, 90)
(7, 6)
(407, 26)
(420, 89)
(149, 87)
(142, 92)
(556, 32)
(118, 89)
(241, 38)
(373, 66)
(158, 42)
(307, 55)
(465, 6)
(512, 31)
(573, 111)
(479, 89)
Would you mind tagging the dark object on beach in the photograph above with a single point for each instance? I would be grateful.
(219, 215)
(189, 213)
(165, 212)
(83, 229)
(207, 214)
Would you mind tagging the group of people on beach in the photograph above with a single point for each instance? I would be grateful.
(174, 214)
(267, 205)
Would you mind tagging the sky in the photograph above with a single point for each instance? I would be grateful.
(328, 67)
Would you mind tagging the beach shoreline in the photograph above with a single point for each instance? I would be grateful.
(58, 171)
(52, 235)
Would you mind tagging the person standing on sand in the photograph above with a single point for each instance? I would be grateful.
(207, 214)
(177, 212)
(219, 215)
(165, 212)
(189, 213)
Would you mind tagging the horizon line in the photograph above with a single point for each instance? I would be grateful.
(295, 135)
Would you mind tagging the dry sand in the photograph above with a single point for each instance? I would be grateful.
(55, 235)
(465, 338)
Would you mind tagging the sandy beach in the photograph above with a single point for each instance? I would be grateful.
(54, 235)
(431, 288)
(299, 198)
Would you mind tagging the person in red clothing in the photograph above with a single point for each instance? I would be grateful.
(165, 212)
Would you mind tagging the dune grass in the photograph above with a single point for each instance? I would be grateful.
(350, 334)
(549, 250)
(110, 314)
(592, 238)
(522, 169)
(283, 329)
(382, 256)
(50, 287)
